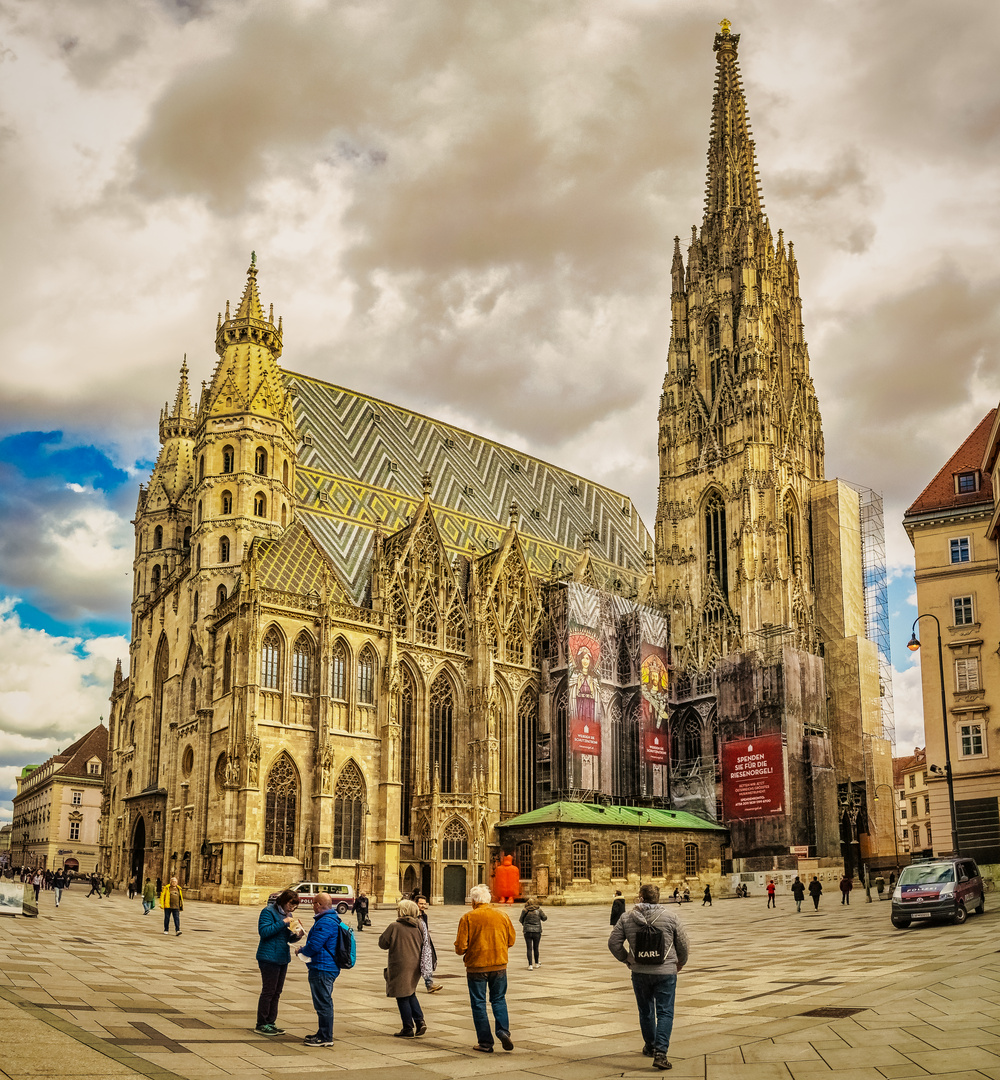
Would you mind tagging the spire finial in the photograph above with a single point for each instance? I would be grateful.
(426, 483)
(725, 25)
(253, 259)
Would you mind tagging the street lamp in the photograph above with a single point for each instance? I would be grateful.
(895, 836)
(913, 644)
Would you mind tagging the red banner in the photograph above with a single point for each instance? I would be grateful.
(586, 736)
(753, 778)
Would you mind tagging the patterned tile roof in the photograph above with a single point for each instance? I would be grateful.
(940, 493)
(362, 463)
(293, 563)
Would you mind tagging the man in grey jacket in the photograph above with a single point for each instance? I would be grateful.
(654, 984)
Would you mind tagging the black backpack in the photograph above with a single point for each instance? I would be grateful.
(650, 946)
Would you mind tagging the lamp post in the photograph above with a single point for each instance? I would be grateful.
(895, 834)
(913, 644)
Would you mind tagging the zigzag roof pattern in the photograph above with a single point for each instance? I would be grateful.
(362, 463)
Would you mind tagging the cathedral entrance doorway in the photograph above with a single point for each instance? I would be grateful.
(454, 884)
(139, 849)
(409, 881)
(425, 879)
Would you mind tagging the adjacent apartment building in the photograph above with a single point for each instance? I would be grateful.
(916, 834)
(57, 808)
(953, 528)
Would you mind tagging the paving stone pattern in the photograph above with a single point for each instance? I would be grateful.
(95, 989)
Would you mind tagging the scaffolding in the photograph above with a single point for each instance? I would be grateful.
(876, 591)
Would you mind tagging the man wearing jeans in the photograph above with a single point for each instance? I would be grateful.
(484, 936)
(320, 948)
(654, 983)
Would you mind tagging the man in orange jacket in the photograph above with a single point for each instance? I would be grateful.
(484, 936)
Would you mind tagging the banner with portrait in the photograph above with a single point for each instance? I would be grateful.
(655, 684)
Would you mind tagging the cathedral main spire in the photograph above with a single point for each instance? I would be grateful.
(732, 186)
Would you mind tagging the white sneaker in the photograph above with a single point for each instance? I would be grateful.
(538, 963)
(166, 931)
(530, 967)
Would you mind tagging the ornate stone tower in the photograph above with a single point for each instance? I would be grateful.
(740, 438)
(245, 443)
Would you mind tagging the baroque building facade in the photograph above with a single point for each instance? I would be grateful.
(363, 639)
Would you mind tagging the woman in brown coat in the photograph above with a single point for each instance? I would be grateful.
(404, 940)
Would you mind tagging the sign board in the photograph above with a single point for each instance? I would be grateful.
(753, 777)
(12, 897)
(801, 849)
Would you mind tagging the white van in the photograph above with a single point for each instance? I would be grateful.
(343, 895)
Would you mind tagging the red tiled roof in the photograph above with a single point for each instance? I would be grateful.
(901, 765)
(940, 493)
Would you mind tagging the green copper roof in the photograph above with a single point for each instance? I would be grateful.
(575, 813)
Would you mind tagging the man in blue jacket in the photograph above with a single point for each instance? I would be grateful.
(320, 948)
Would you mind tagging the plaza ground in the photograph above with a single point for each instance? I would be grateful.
(95, 989)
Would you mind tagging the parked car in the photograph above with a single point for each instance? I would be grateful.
(939, 889)
(343, 895)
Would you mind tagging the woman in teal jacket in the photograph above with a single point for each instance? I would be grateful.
(273, 957)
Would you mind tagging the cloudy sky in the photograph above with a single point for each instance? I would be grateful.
(466, 208)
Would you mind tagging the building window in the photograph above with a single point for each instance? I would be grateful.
(270, 660)
(227, 503)
(913, 780)
(713, 334)
(74, 830)
(716, 541)
(527, 738)
(279, 809)
(658, 860)
(972, 740)
(581, 860)
(228, 457)
(962, 606)
(201, 468)
(227, 667)
(366, 677)
(967, 482)
(927, 836)
(398, 606)
(220, 595)
(259, 505)
(455, 845)
(913, 807)
(690, 860)
(790, 536)
(925, 777)
(927, 804)
(617, 859)
(406, 766)
(906, 834)
(77, 798)
(523, 860)
(348, 813)
(902, 813)
(454, 631)
(224, 550)
(187, 538)
(194, 695)
(966, 675)
(284, 473)
(158, 536)
(338, 672)
(692, 739)
(260, 461)
(916, 836)
(425, 623)
(442, 710)
(959, 549)
(302, 659)
(154, 577)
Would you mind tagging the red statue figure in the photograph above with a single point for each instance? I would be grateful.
(506, 881)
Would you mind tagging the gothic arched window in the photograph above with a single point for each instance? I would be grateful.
(270, 660)
(398, 606)
(284, 515)
(366, 676)
(284, 473)
(442, 710)
(154, 577)
(260, 461)
(228, 459)
(425, 624)
(302, 664)
(692, 739)
(281, 797)
(158, 536)
(455, 842)
(194, 695)
(624, 662)
(348, 813)
(220, 595)
(407, 694)
(227, 503)
(712, 333)
(527, 736)
(224, 549)
(338, 672)
(199, 517)
(716, 549)
(790, 537)
(195, 608)
(187, 538)
(201, 468)
(259, 505)
(515, 642)
(227, 667)
(454, 631)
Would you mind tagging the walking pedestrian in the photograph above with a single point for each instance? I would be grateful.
(361, 910)
(532, 918)
(36, 884)
(58, 884)
(133, 886)
(845, 889)
(815, 888)
(172, 902)
(484, 936)
(404, 941)
(799, 892)
(707, 897)
(108, 886)
(95, 886)
(617, 907)
(320, 951)
(159, 886)
(430, 985)
(771, 889)
(148, 897)
(275, 930)
(657, 951)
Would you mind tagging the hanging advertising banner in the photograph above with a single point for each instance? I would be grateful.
(585, 706)
(753, 778)
(655, 713)
(12, 897)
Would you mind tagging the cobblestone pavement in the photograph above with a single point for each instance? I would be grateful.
(95, 989)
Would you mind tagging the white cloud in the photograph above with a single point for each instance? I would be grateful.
(908, 706)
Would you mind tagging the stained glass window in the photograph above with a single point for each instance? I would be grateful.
(280, 806)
